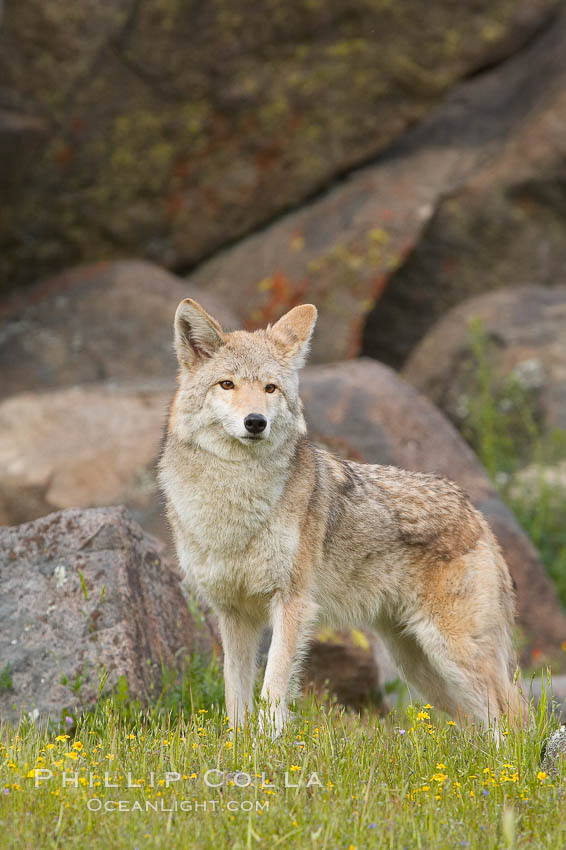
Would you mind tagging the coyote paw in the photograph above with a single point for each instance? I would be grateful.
(272, 722)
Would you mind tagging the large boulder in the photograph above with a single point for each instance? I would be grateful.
(522, 332)
(105, 321)
(174, 128)
(341, 249)
(502, 223)
(363, 410)
(87, 598)
(82, 446)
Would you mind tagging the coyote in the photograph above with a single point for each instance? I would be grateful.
(270, 529)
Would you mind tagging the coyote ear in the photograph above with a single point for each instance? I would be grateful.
(197, 335)
(294, 331)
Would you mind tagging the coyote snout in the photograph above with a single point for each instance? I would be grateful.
(271, 529)
(244, 408)
(255, 423)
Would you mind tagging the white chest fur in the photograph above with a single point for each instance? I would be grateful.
(232, 539)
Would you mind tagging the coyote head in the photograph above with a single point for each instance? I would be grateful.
(239, 389)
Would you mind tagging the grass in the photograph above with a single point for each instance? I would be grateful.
(6, 679)
(334, 780)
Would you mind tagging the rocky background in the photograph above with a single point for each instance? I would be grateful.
(401, 165)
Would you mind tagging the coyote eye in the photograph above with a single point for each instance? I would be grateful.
(270, 388)
(227, 385)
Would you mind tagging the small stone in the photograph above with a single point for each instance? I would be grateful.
(554, 750)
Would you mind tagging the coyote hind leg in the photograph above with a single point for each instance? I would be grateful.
(458, 680)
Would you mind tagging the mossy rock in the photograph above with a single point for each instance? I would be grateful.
(172, 129)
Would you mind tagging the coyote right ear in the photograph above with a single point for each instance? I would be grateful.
(197, 335)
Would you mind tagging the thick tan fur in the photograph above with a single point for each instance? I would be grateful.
(271, 530)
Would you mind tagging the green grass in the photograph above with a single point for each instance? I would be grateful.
(334, 780)
(6, 678)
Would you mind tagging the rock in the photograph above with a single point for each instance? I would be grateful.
(108, 320)
(364, 411)
(524, 330)
(502, 223)
(344, 663)
(84, 446)
(554, 750)
(176, 129)
(85, 593)
(341, 249)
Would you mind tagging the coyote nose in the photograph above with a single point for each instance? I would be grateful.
(255, 423)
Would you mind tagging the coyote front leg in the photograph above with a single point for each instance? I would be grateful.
(291, 620)
(240, 642)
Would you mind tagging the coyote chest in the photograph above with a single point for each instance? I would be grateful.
(231, 540)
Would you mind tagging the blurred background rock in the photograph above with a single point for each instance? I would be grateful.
(401, 165)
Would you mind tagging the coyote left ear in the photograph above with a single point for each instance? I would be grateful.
(294, 330)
